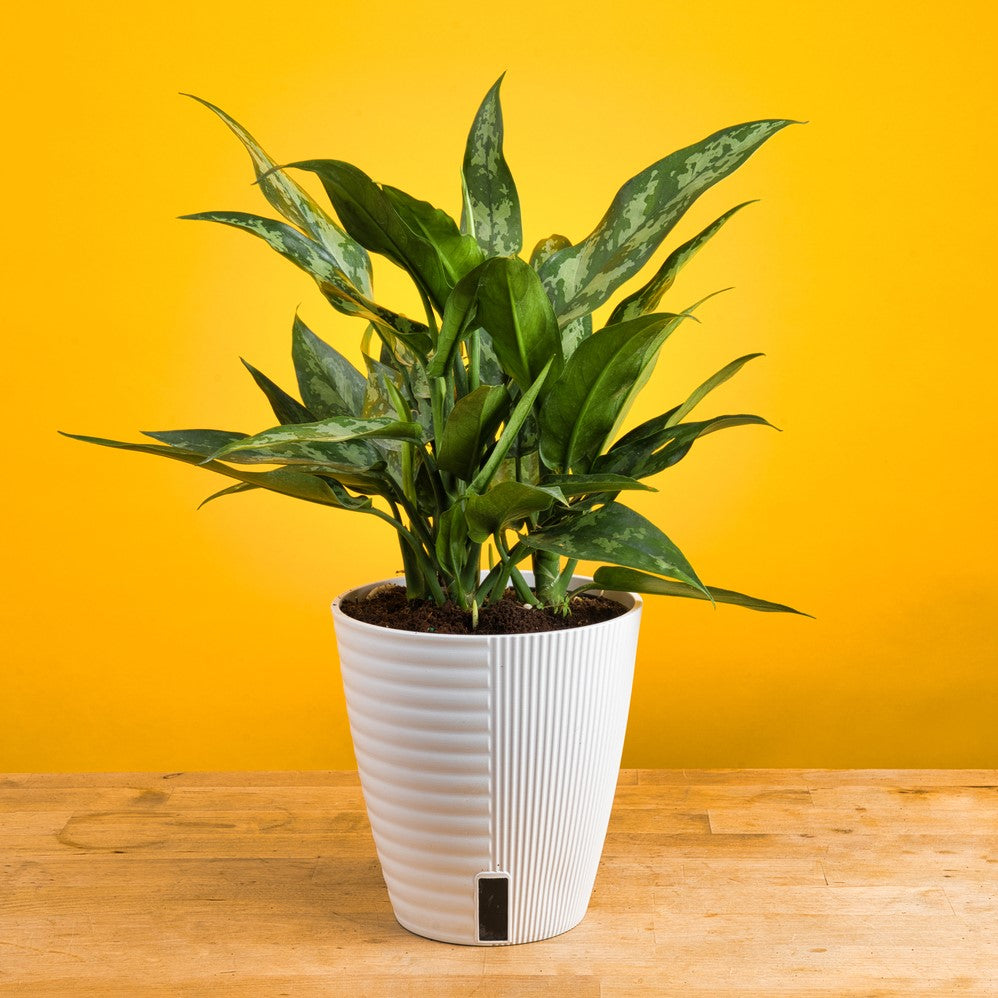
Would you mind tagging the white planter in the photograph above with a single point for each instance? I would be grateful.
(488, 765)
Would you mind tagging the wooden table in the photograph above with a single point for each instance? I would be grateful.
(778, 882)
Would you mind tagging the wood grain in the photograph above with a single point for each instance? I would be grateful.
(713, 883)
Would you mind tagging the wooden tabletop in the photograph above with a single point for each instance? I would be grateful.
(776, 882)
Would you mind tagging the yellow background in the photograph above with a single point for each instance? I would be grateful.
(140, 634)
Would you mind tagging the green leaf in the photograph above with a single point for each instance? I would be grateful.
(230, 490)
(588, 402)
(315, 260)
(655, 446)
(643, 212)
(303, 443)
(470, 427)
(458, 254)
(329, 384)
(616, 534)
(506, 299)
(646, 299)
(459, 320)
(584, 485)
(296, 484)
(286, 408)
(506, 504)
(697, 396)
(510, 432)
(303, 252)
(574, 333)
(491, 211)
(387, 324)
(548, 247)
(628, 580)
(297, 206)
(369, 216)
(516, 312)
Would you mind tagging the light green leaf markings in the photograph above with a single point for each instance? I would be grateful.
(491, 206)
(580, 278)
(646, 299)
(328, 382)
(297, 206)
(616, 534)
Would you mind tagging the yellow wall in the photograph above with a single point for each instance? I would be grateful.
(140, 634)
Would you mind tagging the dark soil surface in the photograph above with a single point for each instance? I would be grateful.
(388, 606)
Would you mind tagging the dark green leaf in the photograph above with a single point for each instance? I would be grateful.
(470, 427)
(506, 504)
(628, 580)
(297, 206)
(584, 485)
(369, 216)
(510, 431)
(230, 490)
(616, 534)
(286, 408)
(516, 312)
(586, 405)
(655, 446)
(329, 384)
(491, 211)
(646, 299)
(580, 278)
(459, 320)
(698, 395)
(458, 254)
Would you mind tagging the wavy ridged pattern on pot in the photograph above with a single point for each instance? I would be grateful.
(488, 754)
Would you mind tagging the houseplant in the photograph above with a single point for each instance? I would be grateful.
(493, 424)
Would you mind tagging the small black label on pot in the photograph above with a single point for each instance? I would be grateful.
(493, 907)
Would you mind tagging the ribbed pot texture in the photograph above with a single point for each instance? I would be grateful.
(488, 765)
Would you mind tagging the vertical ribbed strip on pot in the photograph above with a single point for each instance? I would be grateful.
(558, 729)
(419, 708)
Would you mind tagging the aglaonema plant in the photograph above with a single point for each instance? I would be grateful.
(496, 421)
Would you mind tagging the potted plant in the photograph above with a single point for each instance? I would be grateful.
(488, 428)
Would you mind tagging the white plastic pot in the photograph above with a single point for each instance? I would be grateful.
(488, 765)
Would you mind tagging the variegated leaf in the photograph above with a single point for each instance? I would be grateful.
(316, 261)
(297, 206)
(574, 333)
(616, 534)
(646, 299)
(328, 382)
(310, 256)
(304, 443)
(547, 247)
(581, 277)
(587, 403)
(506, 504)
(285, 481)
(286, 407)
(491, 210)
(629, 580)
